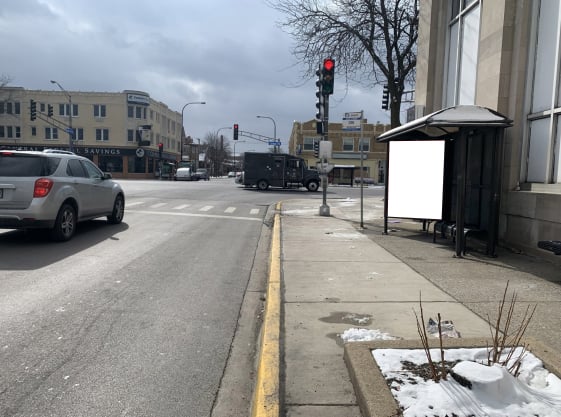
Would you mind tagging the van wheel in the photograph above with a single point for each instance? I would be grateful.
(312, 186)
(262, 185)
(118, 213)
(65, 224)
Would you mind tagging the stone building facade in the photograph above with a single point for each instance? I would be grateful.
(504, 55)
(346, 150)
(107, 127)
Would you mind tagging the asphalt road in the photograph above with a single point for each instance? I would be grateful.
(136, 319)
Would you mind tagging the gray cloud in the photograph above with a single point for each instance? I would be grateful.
(230, 54)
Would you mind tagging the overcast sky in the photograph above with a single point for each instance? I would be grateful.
(229, 53)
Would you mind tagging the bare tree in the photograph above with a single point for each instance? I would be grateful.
(372, 41)
(5, 92)
(217, 152)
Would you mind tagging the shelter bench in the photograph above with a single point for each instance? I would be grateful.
(550, 245)
(448, 230)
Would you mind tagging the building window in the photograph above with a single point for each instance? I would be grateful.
(10, 130)
(79, 133)
(309, 143)
(10, 107)
(99, 110)
(364, 143)
(102, 135)
(42, 107)
(64, 110)
(2, 132)
(18, 132)
(130, 112)
(544, 125)
(348, 144)
(138, 112)
(33, 131)
(130, 135)
(463, 47)
(51, 133)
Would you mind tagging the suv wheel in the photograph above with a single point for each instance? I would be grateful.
(65, 224)
(116, 216)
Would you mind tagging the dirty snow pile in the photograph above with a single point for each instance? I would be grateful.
(489, 391)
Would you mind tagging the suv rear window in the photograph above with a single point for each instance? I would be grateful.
(17, 165)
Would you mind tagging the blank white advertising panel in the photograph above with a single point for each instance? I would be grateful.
(416, 175)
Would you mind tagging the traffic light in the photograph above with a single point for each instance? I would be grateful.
(32, 110)
(328, 76)
(235, 131)
(316, 148)
(320, 102)
(50, 110)
(160, 149)
(385, 98)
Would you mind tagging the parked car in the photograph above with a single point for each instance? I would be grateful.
(184, 174)
(233, 174)
(202, 174)
(55, 190)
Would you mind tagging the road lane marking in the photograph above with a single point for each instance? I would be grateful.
(254, 211)
(136, 203)
(206, 208)
(230, 210)
(158, 205)
(182, 206)
(212, 216)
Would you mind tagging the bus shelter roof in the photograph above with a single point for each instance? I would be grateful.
(445, 123)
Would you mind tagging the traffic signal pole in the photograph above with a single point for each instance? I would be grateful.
(324, 208)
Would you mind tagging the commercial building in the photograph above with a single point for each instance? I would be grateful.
(347, 150)
(503, 55)
(105, 127)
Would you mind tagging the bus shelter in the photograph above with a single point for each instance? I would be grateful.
(447, 167)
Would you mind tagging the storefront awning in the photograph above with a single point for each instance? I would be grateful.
(446, 122)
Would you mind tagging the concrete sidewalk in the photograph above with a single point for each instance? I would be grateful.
(336, 276)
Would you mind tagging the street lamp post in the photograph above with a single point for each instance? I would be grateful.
(274, 127)
(181, 133)
(70, 130)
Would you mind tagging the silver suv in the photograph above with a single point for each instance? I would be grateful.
(55, 190)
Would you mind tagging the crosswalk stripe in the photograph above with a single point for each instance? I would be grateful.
(230, 210)
(158, 205)
(136, 203)
(254, 211)
(206, 208)
(181, 207)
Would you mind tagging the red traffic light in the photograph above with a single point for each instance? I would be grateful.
(160, 145)
(328, 64)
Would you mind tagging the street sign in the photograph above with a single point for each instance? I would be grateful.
(275, 143)
(69, 130)
(356, 115)
(352, 121)
(324, 168)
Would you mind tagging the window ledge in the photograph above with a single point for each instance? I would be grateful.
(541, 188)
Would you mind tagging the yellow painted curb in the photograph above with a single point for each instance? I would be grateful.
(267, 393)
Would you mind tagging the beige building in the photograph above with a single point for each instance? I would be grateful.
(107, 127)
(504, 55)
(346, 150)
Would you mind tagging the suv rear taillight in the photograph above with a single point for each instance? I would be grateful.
(42, 187)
